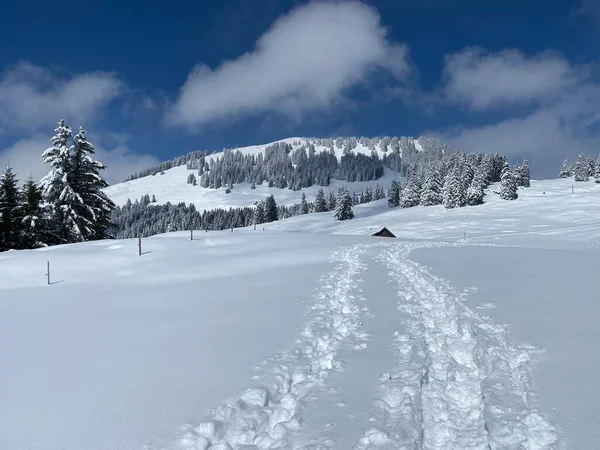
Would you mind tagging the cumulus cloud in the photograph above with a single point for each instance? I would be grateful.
(304, 62)
(483, 80)
(25, 158)
(32, 96)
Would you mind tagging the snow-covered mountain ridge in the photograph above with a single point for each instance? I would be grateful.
(171, 185)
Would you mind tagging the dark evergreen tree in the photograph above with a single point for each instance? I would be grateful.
(10, 215)
(394, 194)
(367, 195)
(34, 230)
(303, 205)
(343, 209)
(524, 178)
(508, 184)
(259, 213)
(320, 204)
(332, 201)
(271, 213)
(597, 171)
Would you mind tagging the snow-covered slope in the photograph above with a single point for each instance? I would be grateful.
(312, 334)
(172, 186)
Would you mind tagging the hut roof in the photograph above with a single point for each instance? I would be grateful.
(384, 232)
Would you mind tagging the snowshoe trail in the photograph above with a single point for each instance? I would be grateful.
(263, 416)
(459, 382)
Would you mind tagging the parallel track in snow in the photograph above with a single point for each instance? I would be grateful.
(459, 382)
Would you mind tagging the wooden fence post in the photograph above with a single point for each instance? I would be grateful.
(191, 235)
(48, 271)
(139, 245)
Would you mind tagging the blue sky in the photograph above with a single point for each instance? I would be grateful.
(150, 81)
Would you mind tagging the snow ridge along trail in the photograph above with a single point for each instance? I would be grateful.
(460, 383)
(262, 417)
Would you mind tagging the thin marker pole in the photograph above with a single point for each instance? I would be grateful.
(48, 271)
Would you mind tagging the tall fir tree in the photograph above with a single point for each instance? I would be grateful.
(431, 194)
(524, 175)
(597, 171)
(34, 231)
(581, 169)
(86, 172)
(508, 184)
(343, 209)
(10, 217)
(80, 211)
(367, 195)
(320, 204)
(394, 194)
(565, 171)
(411, 194)
(259, 213)
(271, 213)
(379, 192)
(451, 192)
(56, 187)
(475, 193)
(303, 204)
(332, 201)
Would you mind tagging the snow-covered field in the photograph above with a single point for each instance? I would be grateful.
(312, 334)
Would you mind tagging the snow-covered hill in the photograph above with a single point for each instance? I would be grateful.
(171, 186)
(313, 334)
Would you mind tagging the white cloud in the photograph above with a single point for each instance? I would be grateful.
(546, 136)
(32, 96)
(483, 80)
(559, 106)
(25, 158)
(304, 62)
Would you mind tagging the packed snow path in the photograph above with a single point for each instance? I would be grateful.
(458, 381)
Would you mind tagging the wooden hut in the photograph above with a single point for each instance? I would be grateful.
(384, 232)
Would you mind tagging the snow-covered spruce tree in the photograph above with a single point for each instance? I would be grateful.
(343, 209)
(597, 171)
(271, 212)
(34, 232)
(10, 220)
(320, 204)
(411, 194)
(581, 169)
(303, 204)
(89, 183)
(367, 195)
(332, 201)
(80, 211)
(508, 184)
(475, 193)
(431, 194)
(379, 192)
(524, 175)
(565, 171)
(259, 213)
(394, 194)
(451, 192)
